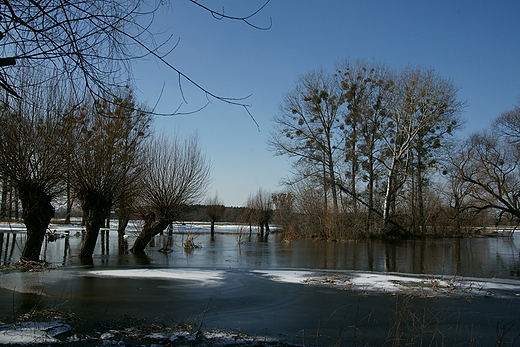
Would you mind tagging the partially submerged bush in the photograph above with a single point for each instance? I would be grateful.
(190, 243)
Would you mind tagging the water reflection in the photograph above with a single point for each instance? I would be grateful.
(496, 257)
(8, 242)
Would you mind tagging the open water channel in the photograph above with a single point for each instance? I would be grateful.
(439, 292)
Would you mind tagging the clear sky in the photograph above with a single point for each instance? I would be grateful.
(474, 43)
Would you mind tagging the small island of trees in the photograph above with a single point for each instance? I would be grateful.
(375, 154)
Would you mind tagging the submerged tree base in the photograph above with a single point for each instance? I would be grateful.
(150, 229)
(31, 265)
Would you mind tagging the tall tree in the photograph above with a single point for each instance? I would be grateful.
(307, 129)
(424, 107)
(31, 155)
(176, 174)
(106, 158)
(366, 88)
(488, 167)
(385, 126)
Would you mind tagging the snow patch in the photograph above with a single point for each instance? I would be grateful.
(285, 276)
(206, 277)
(397, 283)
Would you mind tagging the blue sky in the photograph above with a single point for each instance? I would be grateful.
(474, 43)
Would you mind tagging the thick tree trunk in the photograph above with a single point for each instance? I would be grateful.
(94, 214)
(37, 214)
(212, 228)
(69, 205)
(3, 206)
(121, 225)
(150, 229)
(123, 217)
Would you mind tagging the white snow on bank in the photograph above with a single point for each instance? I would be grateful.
(32, 333)
(205, 277)
(285, 276)
(398, 283)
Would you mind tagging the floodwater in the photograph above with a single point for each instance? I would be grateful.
(237, 280)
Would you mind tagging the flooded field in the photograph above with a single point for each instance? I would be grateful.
(440, 292)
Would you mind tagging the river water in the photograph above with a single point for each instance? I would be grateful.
(238, 280)
(235, 247)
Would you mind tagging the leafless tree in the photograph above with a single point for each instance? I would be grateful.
(508, 125)
(488, 169)
(215, 210)
(261, 206)
(423, 104)
(91, 42)
(370, 124)
(307, 129)
(31, 154)
(284, 214)
(176, 174)
(366, 88)
(105, 159)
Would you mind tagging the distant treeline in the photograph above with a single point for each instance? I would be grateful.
(198, 213)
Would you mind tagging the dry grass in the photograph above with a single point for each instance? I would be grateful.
(56, 313)
(190, 243)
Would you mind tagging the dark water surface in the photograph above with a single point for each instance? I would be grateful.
(479, 257)
(218, 286)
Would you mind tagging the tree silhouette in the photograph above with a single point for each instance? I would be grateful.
(105, 159)
(176, 174)
(31, 155)
(91, 42)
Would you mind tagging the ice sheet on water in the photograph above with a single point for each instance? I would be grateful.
(204, 276)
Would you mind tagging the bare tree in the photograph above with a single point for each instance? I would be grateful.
(423, 104)
(284, 214)
(508, 125)
(91, 42)
(307, 129)
(215, 210)
(261, 205)
(105, 159)
(176, 174)
(366, 89)
(31, 155)
(488, 169)
(368, 124)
